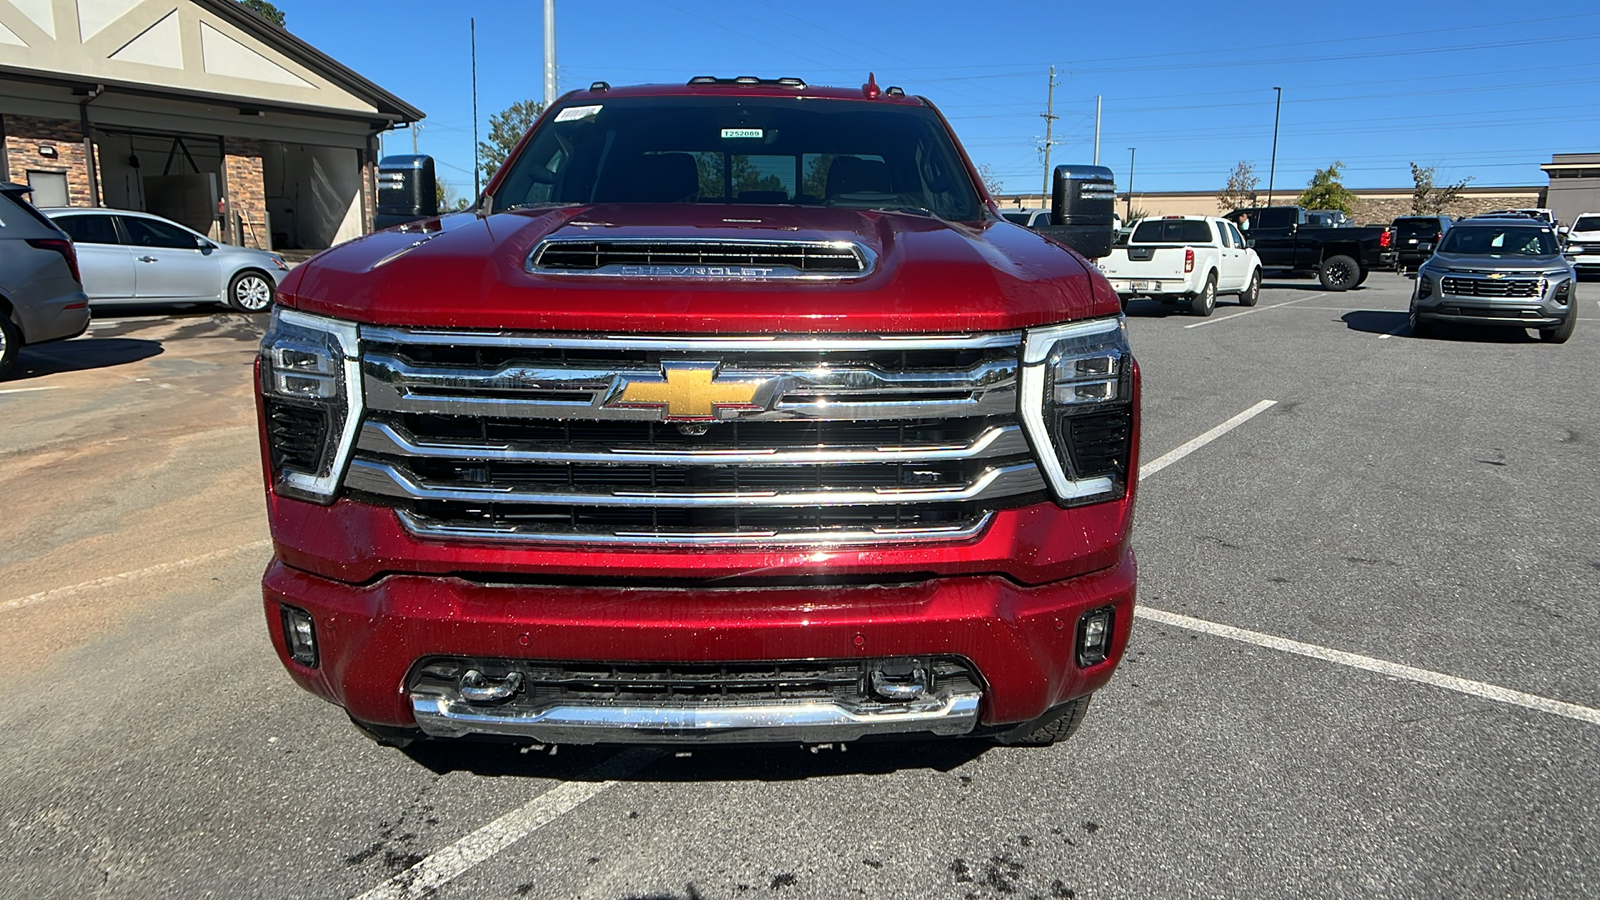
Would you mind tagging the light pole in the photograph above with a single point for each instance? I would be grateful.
(1129, 214)
(1272, 172)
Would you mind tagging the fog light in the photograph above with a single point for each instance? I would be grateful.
(300, 636)
(1094, 636)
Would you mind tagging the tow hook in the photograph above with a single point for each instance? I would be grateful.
(910, 686)
(477, 687)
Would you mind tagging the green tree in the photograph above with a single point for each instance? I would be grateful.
(1240, 191)
(505, 129)
(265, 10)
(1429, 199)
(1325, 191)
(449, 200)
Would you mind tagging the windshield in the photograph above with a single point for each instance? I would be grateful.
(1499, 241)
(1587, 223)
(1172, 231)
(755, 150)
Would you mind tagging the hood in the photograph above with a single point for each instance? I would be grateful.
(1460, 262)
(468, 271)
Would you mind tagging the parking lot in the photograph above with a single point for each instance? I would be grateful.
(1365, 662)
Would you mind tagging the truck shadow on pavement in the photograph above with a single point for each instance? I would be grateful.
(1374, 321)
(758, 762)
(80, 355)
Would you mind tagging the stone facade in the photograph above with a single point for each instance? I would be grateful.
(247, 193)
(1387, 209)
(27, 135)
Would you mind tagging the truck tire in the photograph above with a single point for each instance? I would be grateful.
(1203, 303)
(1339, 273)
(1362, 279)
(10, 344)
(1558, 334)
(1252, 292)
(1053, 727)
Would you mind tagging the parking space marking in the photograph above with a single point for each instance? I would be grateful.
(1188, 447)
(1404, 326)
(57, 593)
(1479, 689)
(1254, 309)
(445, 864)
(29, 390)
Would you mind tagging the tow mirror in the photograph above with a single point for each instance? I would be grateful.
(1083, 203)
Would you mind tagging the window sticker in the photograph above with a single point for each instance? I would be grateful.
(574, 113)
(755, 133)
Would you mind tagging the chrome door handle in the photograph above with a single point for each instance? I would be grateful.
(147, 259)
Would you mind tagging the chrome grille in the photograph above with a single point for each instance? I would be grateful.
(846, 441)
(658, 258)
(1494, 287)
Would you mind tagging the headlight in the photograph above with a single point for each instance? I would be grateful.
(1424, 285)
(311, 390)
(1077, 407)
(1563, 292)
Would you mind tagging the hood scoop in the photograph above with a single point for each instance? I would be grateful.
(702, 260)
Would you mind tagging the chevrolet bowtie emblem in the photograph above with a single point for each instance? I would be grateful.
(1497, 275)
(690, 392)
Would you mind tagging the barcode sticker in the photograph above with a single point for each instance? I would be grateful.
(574, 113)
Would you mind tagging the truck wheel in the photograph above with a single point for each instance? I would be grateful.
(1252, 293)
(1204, 302)
(1556, 335)
(1054, 726)
(1339, 273)
(10, 345)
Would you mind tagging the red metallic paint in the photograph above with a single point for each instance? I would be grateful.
(1021, 639)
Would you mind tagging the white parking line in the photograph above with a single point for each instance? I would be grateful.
(445, 864)
(1188, 447)
(30, 390)
(1382, 667)
(58, 593)
(1403, 326)
(1247, 312)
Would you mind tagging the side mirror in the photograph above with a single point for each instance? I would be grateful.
(1082, 209)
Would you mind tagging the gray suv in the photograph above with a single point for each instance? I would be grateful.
(1498, 271)
(41, 294)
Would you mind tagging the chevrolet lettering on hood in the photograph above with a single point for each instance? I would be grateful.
(731, 273)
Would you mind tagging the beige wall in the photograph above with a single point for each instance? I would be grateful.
(1377, 205)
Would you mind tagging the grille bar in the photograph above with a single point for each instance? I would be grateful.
(389, 440)
(1522, 288)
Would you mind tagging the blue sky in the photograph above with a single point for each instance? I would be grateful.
(1478, 89)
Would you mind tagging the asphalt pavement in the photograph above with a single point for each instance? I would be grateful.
(1365, 663)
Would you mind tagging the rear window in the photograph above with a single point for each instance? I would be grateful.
(1020, 218)
(1587, 223)
(747, 150)
(1414, 227)
(15, 205)
(1172, 231)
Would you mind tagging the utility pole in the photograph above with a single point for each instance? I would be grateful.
(1050, 117)
(1273, 171)
(1097, 129)
(477, 191)
(1129, 214)
(549, 53)
(413, 139)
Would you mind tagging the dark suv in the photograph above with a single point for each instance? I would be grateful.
(1416, 237)
(41, 295)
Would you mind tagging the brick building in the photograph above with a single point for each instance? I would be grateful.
(197, 110)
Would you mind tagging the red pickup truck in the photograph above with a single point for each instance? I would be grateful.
(735, 411)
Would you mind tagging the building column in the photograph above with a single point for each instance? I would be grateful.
(247, 192)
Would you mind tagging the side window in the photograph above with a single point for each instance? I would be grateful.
(1238, 239)
(151, 233)
(1222, 234)
(89, 229)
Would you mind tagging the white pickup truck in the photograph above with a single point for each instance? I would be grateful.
(1187, 259)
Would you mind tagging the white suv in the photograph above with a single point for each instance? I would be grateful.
(1583, 243)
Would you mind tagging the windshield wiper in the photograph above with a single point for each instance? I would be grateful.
(536, 204)
(913, 210)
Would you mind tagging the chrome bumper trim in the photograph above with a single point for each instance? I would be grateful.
(814, 721)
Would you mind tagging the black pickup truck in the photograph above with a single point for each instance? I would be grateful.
(1341, 256)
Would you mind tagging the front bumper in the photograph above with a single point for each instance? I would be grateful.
(1517, 312)
(1020, 640)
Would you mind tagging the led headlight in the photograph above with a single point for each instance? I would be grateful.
(1077, 407)
(311, 390)
(1563, 292)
